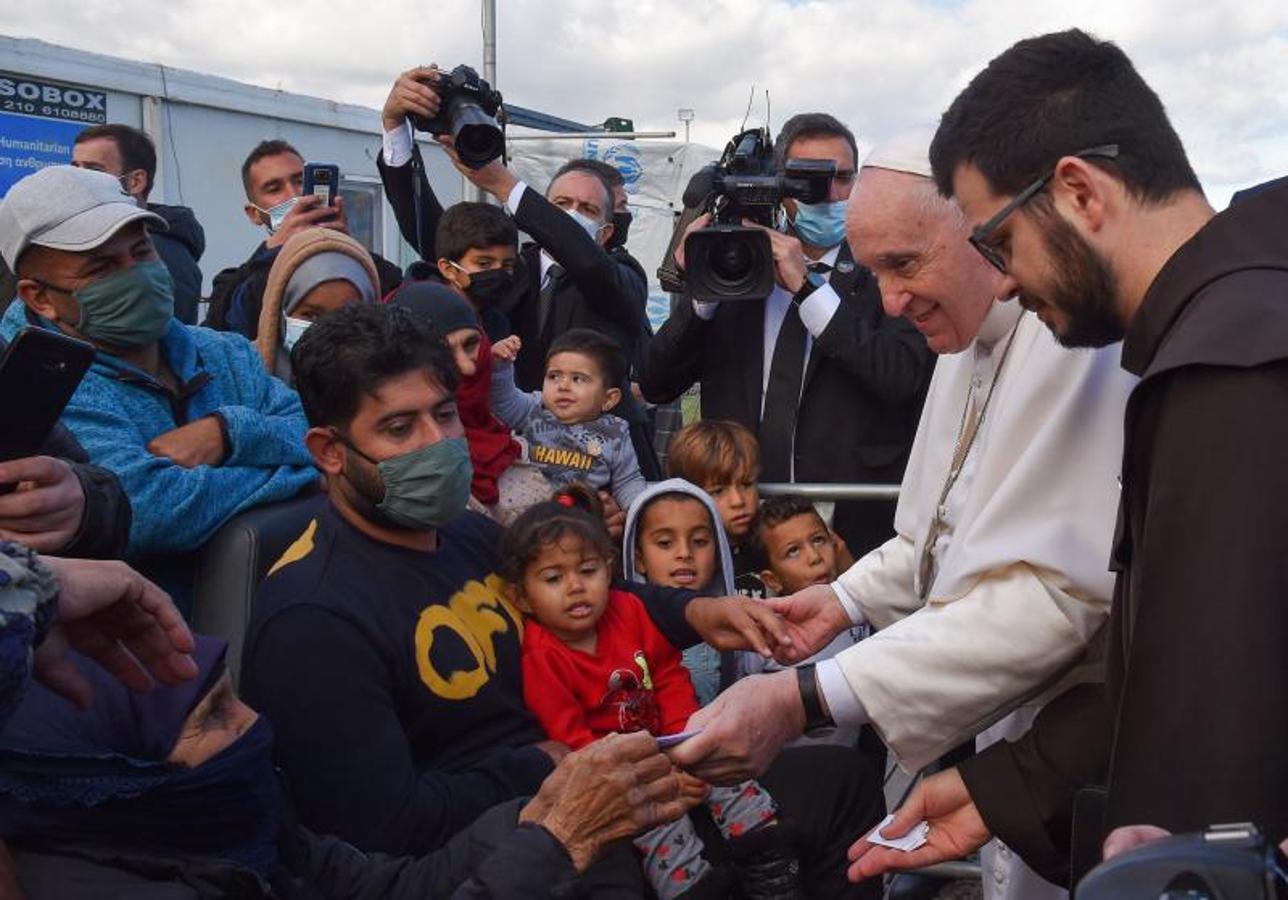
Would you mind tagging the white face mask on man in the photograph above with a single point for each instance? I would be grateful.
(277, 213)
(589, 225)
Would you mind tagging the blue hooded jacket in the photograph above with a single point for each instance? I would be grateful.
(118, 409)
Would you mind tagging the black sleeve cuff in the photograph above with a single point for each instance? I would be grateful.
(994, 781)
(666, 607)
(104, 530)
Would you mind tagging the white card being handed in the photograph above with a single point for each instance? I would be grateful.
(915, 838)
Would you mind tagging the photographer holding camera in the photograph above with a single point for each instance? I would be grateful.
(571, 280)
(831, 387)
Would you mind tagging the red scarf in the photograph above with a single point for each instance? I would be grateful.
(492, 449)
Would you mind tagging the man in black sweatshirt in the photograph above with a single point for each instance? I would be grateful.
(382, 646)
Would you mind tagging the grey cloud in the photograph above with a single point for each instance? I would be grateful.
(879, 66)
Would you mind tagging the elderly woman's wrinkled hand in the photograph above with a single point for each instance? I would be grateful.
(614, 788)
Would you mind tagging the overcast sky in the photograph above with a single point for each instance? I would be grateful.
(1221, 67)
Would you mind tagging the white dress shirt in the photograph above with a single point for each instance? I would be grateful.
(816, 313)
(397, 145)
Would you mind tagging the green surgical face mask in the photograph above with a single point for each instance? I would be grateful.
(129, 308)
(426, 488)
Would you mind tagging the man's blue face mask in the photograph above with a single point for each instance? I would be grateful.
(821, 224)
(277, 213)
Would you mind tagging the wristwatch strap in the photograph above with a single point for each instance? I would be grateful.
(813, 281)
(815, 718)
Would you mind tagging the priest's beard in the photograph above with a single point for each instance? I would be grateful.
(1083, 290)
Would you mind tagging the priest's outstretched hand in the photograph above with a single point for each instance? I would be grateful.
(812, 618)
(956, 829)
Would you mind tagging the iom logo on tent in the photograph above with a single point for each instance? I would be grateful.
(623, 156)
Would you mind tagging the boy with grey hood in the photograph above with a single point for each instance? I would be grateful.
(673, 537)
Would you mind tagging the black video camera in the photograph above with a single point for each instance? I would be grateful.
(1226, 862)
(727, 260)
(468, 113)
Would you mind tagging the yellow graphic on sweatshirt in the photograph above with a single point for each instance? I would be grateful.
(302, 547)
(569, 459)
(476, 614)
(645, 678)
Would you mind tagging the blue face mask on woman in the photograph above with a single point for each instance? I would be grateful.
(821, 224)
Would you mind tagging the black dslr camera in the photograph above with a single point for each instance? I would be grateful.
(728, 261)
(468, 114)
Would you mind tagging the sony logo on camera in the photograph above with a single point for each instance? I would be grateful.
(52, 100)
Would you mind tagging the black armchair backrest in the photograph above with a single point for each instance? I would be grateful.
(233, 563)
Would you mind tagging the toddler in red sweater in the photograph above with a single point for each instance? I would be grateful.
(594, 663)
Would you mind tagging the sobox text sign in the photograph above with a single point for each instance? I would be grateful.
(39, 119)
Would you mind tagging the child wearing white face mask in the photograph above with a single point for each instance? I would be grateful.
(317, 272)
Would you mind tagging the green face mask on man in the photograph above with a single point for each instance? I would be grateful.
(129, 308)
(425, 488)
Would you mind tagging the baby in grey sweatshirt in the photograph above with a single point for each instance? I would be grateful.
(568, 428)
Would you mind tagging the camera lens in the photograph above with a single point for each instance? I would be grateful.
(730, 261)
(478, 142)
(476, 135)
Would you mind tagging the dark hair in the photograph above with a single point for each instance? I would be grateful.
(579, 165)
(1051, 96)
(473, 226)
(603, 350)
(811, 125)
(136, 148)
(575, 510)
(351, 352)
(263, 149)
(607, 171)
(776, 510)
(712, 451)
(773, 512)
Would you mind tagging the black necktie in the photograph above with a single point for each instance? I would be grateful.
(546, 299)
(783, 393)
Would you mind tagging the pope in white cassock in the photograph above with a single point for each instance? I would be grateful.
(988, 597)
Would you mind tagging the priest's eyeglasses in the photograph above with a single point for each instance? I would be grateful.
(979, 237)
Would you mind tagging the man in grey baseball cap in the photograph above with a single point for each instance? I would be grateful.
(59, 207)
(187, 418)
(62, 505)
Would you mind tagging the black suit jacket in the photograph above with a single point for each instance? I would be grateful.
(864, 385)
(597, 291)
(400, 190)
(602, 290)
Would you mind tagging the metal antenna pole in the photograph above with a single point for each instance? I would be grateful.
(488, 9)
(489, 41)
